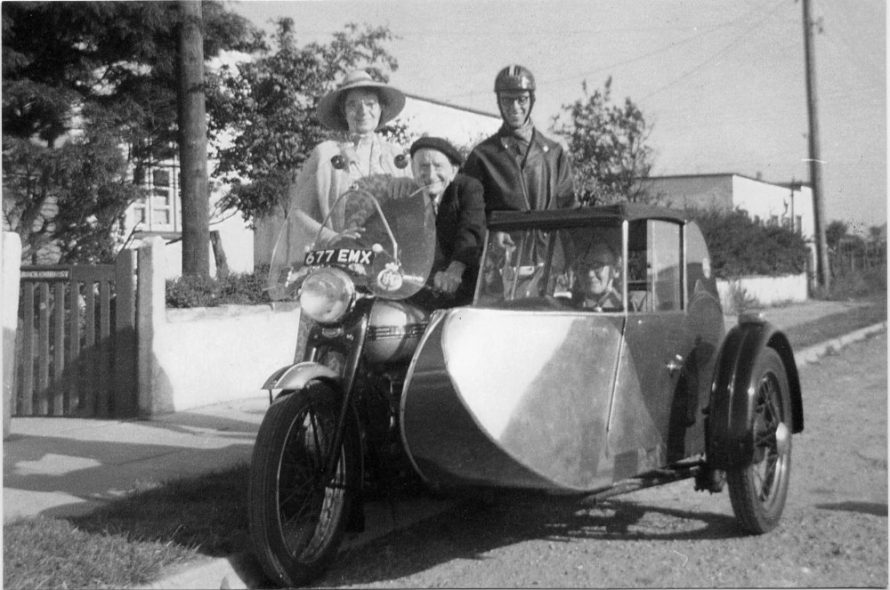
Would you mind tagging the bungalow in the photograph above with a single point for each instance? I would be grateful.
(789, 205)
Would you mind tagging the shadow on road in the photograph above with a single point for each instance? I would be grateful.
(472, 529)
(873, 508)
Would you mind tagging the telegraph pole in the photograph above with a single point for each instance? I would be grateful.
(823, 270)
(193, 143)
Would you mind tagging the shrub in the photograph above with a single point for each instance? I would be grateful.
(848, 284)
(235, 289)
(740, 246)
(738, 300)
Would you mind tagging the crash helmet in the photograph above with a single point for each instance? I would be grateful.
(514, 77)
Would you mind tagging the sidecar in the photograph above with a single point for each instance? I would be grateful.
(531, 387)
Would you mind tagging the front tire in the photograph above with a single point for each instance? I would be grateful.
(296, 512)
(758, 491)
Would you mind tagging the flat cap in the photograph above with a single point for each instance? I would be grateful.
(439, 144)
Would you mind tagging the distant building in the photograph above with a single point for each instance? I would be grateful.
(787, 205)
(463, 126)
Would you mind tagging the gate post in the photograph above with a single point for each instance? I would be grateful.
(126, 375)
(154, 395)
(10, 273)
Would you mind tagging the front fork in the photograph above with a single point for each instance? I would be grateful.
(348, 340)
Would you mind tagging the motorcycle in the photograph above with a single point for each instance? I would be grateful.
(331, 431)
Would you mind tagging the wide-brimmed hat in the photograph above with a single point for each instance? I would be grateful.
(330, 112)
(438, 144)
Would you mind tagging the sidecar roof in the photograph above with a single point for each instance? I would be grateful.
(505, 220)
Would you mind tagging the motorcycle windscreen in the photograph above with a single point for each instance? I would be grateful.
(381, 231)
(513, 399)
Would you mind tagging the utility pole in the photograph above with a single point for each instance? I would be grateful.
(193, 143)
(823, 270)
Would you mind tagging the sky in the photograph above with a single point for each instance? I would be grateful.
(721, 82)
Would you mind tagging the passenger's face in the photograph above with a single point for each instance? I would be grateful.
(433, 170)
(515, 107)
(600, 278)
(601, 271)
(362, 110)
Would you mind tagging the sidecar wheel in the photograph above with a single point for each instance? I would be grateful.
(758, 491)
(296, 513)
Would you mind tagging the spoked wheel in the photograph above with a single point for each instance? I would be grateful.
(758, 491)
(297, 505)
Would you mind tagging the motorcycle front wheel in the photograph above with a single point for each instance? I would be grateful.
(297, 511)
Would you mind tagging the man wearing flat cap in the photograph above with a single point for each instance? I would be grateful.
(460, 215)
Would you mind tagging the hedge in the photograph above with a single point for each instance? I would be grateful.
(739, 246)
(236, 288)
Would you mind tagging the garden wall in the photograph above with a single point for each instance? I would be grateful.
(194, 357)
(766, 290)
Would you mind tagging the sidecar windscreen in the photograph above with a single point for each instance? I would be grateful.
(537, 265)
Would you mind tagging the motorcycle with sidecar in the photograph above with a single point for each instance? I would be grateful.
(526, 388)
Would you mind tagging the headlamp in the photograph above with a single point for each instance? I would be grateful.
(326, 295)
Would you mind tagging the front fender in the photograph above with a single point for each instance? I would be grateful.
(293, 377)
(731, 408)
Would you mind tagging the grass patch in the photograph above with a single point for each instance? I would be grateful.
(872, 312)
(131, 541)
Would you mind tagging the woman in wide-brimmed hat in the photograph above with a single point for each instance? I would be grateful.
(357, 109)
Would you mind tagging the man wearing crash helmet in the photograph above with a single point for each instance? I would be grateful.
(520, 168)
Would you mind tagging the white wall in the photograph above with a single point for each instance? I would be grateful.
(767, 290)
(463, 127)
(765, 200)
(237, 242)
(210, 355)
(195, 357)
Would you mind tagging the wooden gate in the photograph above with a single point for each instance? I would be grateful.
(76, 342)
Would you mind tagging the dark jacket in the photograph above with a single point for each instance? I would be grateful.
(540, 180)
(460, 229)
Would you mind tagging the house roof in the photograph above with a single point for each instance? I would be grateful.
(723, 174)
(451, 106)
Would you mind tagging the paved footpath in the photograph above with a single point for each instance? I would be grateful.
(64, 466)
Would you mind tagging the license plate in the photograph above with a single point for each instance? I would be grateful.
(339, 256)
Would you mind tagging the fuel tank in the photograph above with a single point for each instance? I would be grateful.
(499, 398)
(394, 330)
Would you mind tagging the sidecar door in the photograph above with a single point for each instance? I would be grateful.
(655, 345)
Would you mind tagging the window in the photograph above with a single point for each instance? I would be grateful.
(158, 210)
(570, 268)
(654, 272)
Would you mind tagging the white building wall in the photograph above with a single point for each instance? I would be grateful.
(773, 202)
(464, 128)
(237, 242)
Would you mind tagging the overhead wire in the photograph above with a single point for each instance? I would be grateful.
(662, 49)
(714, 56)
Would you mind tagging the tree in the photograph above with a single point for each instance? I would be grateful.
(834, 233)
(82, 80)
(264, 109)
(607, 143)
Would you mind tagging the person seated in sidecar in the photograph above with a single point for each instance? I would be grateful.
(459, 207)
(598, 279)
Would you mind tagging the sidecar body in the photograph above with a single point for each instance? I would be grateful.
(541, 385)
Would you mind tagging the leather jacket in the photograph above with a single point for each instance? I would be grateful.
(542, 179)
